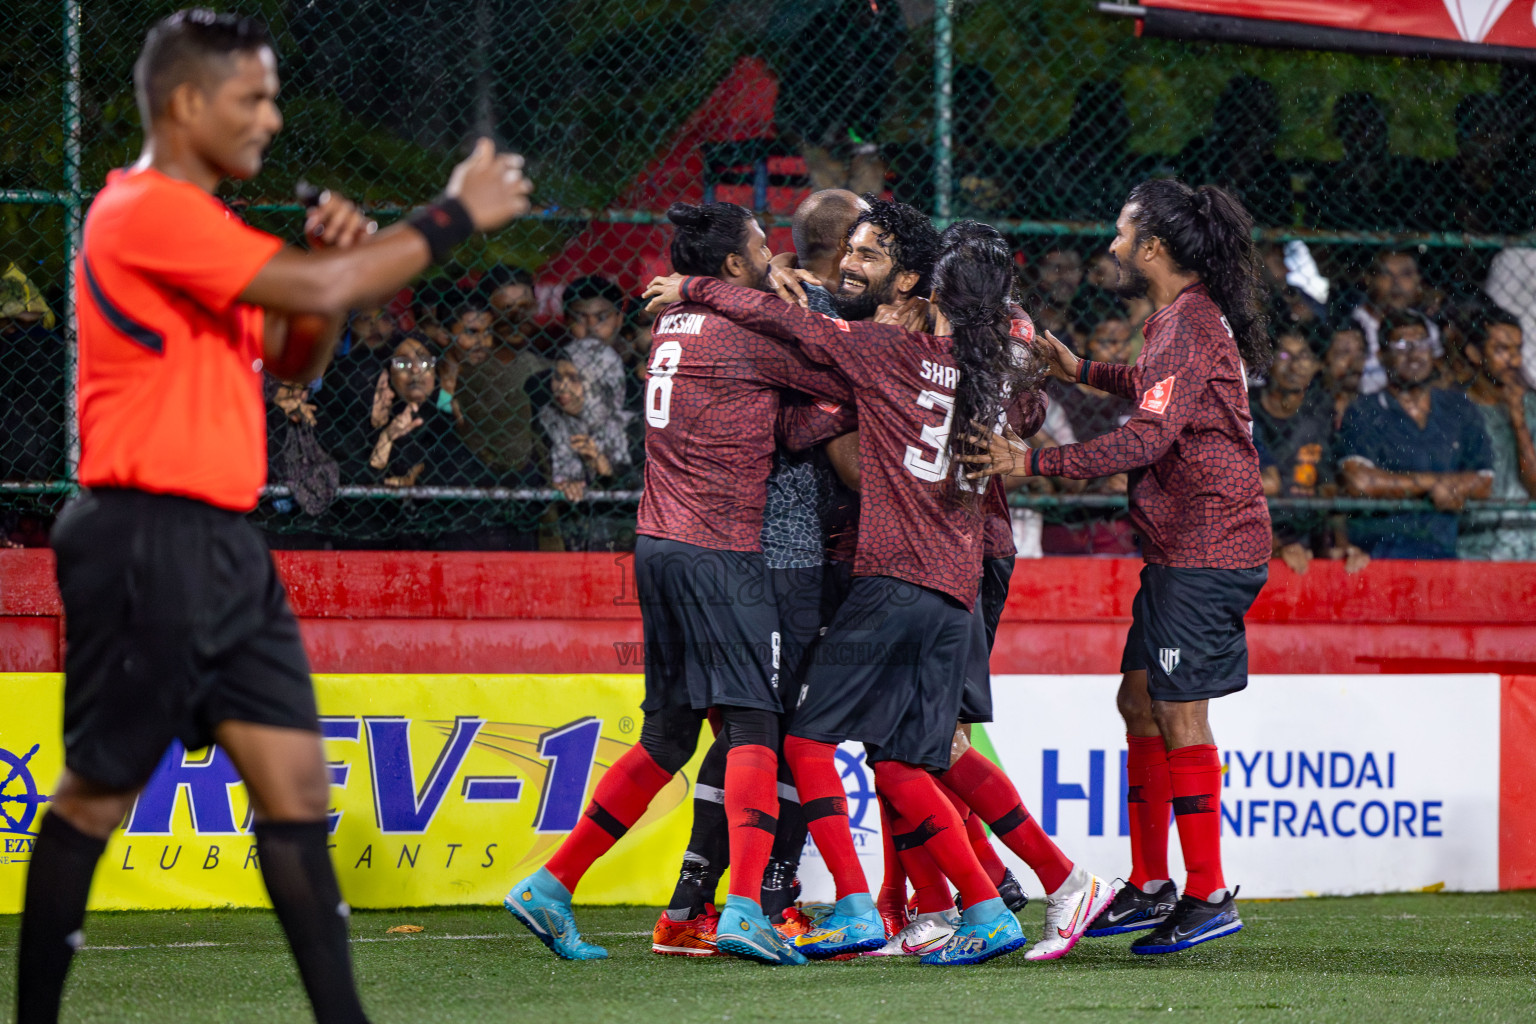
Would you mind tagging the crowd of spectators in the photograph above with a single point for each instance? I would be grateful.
(1382, 386)
(1391, 390)
(456, 386)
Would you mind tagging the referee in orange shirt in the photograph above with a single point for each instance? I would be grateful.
(177, 625)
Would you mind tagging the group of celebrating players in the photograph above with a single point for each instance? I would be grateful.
(824, 547)
(901, 354)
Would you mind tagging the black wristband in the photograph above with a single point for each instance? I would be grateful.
(444, 223)
(1082, 370)
(1034, 462)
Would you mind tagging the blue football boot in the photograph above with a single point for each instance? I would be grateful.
(1192, 922)
(743, 930)
(854, 926)
(986, 930)
(1135, 910)
(543, 906)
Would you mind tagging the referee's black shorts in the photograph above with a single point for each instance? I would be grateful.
(175, 620)
(889, 673)
(711, 625)
(1187, 630)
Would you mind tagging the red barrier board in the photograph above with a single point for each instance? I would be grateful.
(532, 612)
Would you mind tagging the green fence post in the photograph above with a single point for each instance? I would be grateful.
(73, 202)
(943, 108)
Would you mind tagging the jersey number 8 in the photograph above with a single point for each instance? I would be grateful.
(658, 386)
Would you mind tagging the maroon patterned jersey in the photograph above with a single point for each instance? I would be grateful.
(903, 390)
(1196, 498)
(711, 404)
(1026, 415)
(806, 425)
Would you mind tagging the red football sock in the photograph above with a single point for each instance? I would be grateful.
(825, 803)
(928, 883)
(893, 886)
(976, 831)
(992, 795)
(1148, 791)
(1196, 775)
(751, 803)
(916, 797)
(621, 796)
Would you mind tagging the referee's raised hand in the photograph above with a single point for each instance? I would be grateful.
(491, 187)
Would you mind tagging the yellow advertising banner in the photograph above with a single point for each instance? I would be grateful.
(446, 789)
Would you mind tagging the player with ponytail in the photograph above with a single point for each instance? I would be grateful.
(1198, 507)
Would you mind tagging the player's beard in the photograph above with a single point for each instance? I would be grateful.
(862, 306)
(1131, 282)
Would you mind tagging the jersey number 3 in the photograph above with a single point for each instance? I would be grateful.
(658, 385)
(934, 470)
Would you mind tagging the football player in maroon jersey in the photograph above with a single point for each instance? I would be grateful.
(891, 669)
(1197, 503)
(711, 626)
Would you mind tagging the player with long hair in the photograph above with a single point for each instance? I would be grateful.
(1198, 506)
(907, 624)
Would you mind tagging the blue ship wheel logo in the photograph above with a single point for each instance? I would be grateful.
(861, 793)
(19, 798)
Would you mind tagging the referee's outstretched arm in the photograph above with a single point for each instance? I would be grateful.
(311, 291)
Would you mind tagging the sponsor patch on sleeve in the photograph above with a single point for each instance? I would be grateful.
(842, 324)
(1157, 397)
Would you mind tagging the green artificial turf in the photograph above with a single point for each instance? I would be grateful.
(1466, 958)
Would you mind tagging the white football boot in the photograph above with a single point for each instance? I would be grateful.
(924, 934)
(1068, 913)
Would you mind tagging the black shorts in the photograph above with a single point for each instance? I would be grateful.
(1187, 630)
(889, 673)
(976, 705)
(711, 627)
(798, 596)
(175, 620)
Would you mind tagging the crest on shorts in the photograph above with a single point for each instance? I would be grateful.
(1024, 330)
(1157, 397)
(1168, 658)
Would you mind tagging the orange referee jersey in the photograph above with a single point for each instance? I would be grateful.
(170, 396)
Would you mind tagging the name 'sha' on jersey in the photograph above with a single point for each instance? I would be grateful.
(711, 404)
(903, 386)
(1196, 498)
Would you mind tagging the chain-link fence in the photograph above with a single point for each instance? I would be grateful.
(1387, 190)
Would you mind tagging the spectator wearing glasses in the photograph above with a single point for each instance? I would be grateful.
(1413, 441)
(1508, 407)
(1393, 285)
(416, 444)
